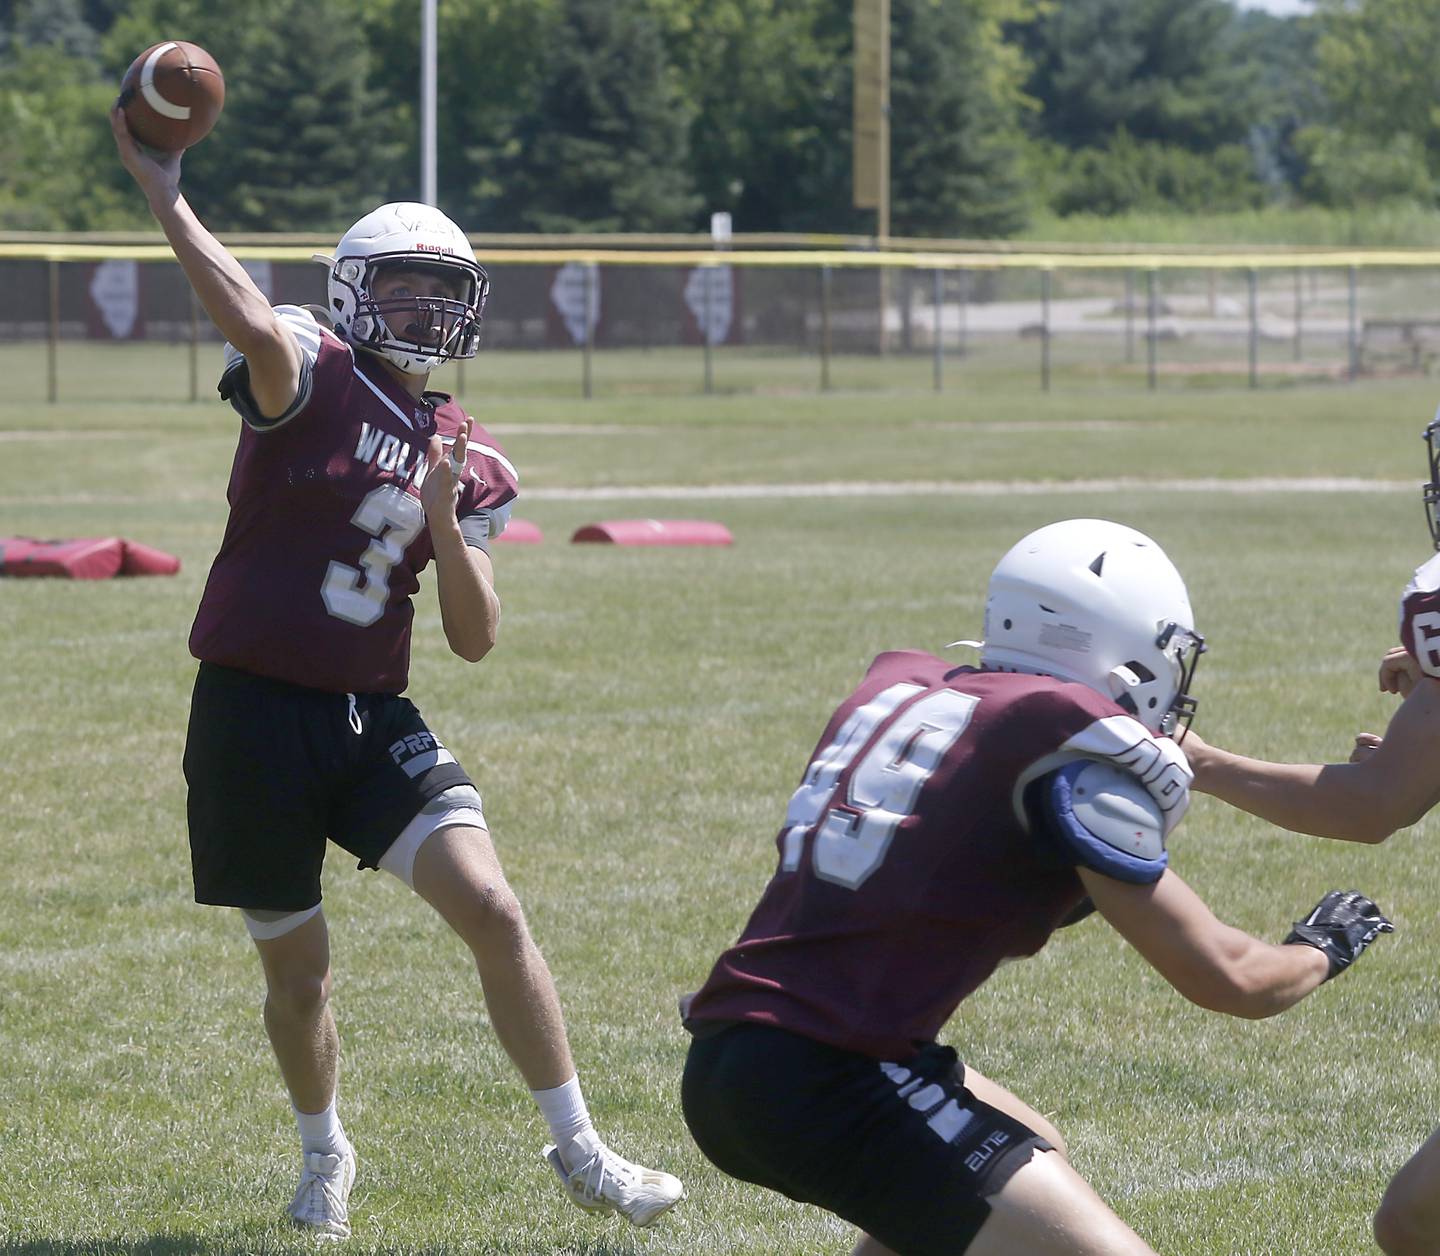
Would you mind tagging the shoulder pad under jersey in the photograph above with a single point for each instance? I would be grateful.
(1104, 819)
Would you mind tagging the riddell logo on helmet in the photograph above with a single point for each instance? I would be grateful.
(432, 248)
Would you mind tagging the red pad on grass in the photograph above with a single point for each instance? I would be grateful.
(521, 532)
(89, 558)
(142, 560)
(656, 532)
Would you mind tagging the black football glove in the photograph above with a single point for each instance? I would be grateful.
(1342, 925)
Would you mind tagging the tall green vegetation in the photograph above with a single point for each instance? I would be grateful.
(1143, 104)
(1379, 138)
(603, 143)
(646, 115)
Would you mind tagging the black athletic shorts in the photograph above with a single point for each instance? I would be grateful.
(901, 1150)
(274, 769)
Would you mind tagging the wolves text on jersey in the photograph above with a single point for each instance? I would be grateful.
(389, 453)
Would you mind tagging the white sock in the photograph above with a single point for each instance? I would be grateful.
(320, 1131)
(564, 1110)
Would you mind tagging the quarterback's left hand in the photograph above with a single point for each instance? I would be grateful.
(1366, 744)
(1342, 925)
(442, 479)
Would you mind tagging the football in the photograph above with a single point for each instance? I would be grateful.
(172, 93)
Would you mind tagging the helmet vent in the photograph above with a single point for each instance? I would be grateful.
(1099, 564)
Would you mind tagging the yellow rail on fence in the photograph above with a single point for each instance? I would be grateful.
(1239, 259)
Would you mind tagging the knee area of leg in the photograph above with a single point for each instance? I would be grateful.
(299, 994)
(496, 908)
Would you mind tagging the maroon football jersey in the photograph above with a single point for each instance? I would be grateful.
(326, 535)
(1420, 617)
(907, 871)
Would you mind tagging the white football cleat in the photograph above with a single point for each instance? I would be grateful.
(322, 1201)
(605, 1182)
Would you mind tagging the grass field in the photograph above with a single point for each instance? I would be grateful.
(636, 735)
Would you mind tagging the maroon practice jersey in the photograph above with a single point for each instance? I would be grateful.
(326, 536)
(907, 868)
(1420, 617)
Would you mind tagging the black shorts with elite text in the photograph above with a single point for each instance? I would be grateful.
(274, 770)
(901, 1150)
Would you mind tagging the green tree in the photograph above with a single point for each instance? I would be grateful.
(303, 144)
(602, 144)
(1165, 70)
(56, 24)
(61, 173)
(769, 83)
(956, 137)
(772, 82)
(1376, 63)
(490, 68)
(55, 148)
(1289, 95)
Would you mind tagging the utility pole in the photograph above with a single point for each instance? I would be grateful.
(427, 101)
(871, 129)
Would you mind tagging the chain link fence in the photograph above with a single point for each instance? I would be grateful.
(87, 323)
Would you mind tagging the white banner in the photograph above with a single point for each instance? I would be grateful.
(115, 289)
(710, 296)
(573, 281)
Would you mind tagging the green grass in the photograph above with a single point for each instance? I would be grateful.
(1375, 226)
(636, 736)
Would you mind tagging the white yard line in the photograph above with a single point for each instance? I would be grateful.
(839, 488)
(100, 433)
(966, 488)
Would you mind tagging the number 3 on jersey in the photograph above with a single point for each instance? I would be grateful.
(853, 834)
(358, 595)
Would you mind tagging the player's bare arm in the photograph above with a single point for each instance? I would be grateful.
(1387, 786)
(1215, 965)
(464, 575)
(229, 296)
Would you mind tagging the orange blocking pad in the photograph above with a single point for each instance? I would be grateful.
(656, 532)
(89, 558)
(521, 532)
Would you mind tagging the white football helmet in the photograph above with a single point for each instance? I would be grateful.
(1096, 602)
(1431, 490)
(412, 236)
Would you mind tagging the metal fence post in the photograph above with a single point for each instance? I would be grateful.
(194, 346)
(1151, 333)
(589, 330)
(1351, 330)
(52, 347)
(1299, 310)
(938, 301)
(960, 313)
(1129, 316)
(825, 328)
(1252, 283)
(1046, 276)
(706, 276)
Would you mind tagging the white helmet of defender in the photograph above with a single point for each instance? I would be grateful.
(1096, 602)
(414, 237)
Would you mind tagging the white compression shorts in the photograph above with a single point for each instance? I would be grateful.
(458, 805)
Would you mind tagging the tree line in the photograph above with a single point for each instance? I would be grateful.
(648, 115)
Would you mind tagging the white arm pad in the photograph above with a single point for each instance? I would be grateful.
(1106, 820)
